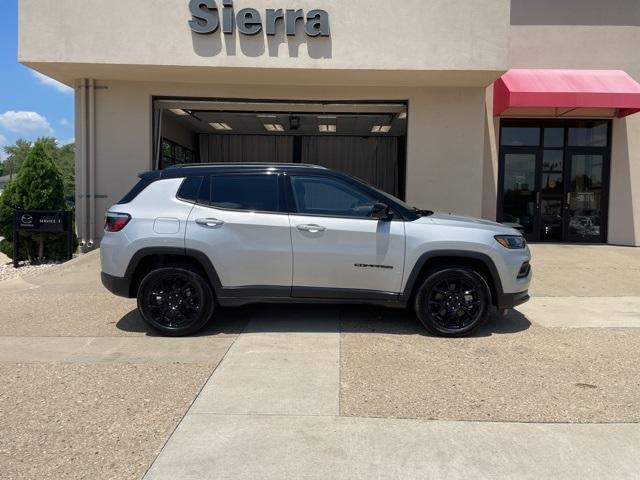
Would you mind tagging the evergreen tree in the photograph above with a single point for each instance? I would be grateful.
(39, 185)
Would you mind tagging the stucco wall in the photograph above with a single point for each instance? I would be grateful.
(445, 136)
(411, 35)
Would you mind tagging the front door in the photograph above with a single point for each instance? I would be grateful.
(554, 179)
(338, 249)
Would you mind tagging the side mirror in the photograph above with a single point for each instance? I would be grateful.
(381, 211)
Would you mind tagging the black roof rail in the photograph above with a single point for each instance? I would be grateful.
(240, 164)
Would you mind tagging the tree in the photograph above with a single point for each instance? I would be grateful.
(64, 157)
(39, 185)
(66, 160)
(16, 155)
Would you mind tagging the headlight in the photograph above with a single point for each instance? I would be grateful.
(512, 242)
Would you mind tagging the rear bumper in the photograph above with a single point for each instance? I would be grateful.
(511, 300)
(117, 285)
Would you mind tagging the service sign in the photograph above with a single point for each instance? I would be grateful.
(39, 221)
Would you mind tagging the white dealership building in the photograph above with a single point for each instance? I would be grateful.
(520, 111)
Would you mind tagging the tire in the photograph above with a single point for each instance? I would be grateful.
(175, 301)
(453, 302)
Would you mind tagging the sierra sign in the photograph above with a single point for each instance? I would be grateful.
(207, 18)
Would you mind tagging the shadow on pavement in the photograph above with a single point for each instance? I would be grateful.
(296, 318)
(224, 322)
(404, 322)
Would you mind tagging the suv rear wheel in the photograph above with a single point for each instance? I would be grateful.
(453, 301)
(175, 301)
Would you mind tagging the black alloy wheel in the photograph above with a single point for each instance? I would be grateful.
(175, 301)
(453, 302)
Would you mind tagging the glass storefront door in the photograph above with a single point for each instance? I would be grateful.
(585, 197)
(520, 203)
(554, 179)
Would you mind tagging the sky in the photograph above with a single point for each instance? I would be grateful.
(31, 105)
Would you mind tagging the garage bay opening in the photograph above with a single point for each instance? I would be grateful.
(366, 140)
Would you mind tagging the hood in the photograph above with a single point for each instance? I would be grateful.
(453, 220)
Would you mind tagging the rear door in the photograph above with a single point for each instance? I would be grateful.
(239, 224)
(338, 249)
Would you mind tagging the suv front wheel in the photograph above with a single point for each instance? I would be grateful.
(175, 301)
(453, 301)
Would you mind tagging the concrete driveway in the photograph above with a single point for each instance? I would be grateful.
(325, 392)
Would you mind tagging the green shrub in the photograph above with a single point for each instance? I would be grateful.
(38, 186)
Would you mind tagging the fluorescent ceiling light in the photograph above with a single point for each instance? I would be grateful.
(178, 111)
(221, 126)
(402, 116)
(274, 127)
(327, 128)
(381, 129)
(267, 116)
(327, 117)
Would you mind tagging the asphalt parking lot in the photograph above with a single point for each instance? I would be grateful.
(89, 392)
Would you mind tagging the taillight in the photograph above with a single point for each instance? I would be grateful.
(114, 222)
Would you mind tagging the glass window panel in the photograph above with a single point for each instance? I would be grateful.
(551, 219)
(552, 168)
(167, 162)
(167, 149)
(586, 196)
(589, 133)
(188, 156)
(519, 195)
(179, 153)
(554, 137)
(520, 136)
(325, 196)
(245, 192)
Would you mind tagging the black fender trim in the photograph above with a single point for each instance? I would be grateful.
(196, 255)
(463, 254)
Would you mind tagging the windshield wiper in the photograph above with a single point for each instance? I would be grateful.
(422, 213)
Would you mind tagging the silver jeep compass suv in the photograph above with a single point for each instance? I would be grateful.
(186, 239)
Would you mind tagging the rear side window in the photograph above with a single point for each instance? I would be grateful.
(189, 189)
(258, 193)
(135, 191)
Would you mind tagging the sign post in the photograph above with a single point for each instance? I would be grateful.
(42, 221)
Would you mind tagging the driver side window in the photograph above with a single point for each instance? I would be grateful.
(328, 196)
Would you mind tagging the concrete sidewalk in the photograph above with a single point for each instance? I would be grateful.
(271, 411)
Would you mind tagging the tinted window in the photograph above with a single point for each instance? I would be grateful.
(554, 137)
(245, 192)
(190, 189)
(588, 133)
(520, 136)
(328, 196)
(135, 191)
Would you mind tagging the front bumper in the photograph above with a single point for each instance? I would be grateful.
(511, 300)
(120, 286)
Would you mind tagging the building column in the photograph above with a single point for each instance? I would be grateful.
(624, 197)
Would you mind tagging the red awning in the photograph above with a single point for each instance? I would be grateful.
(566, 92)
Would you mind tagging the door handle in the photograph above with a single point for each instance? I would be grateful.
(311, 228)
(537, 199)
(209, 222)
